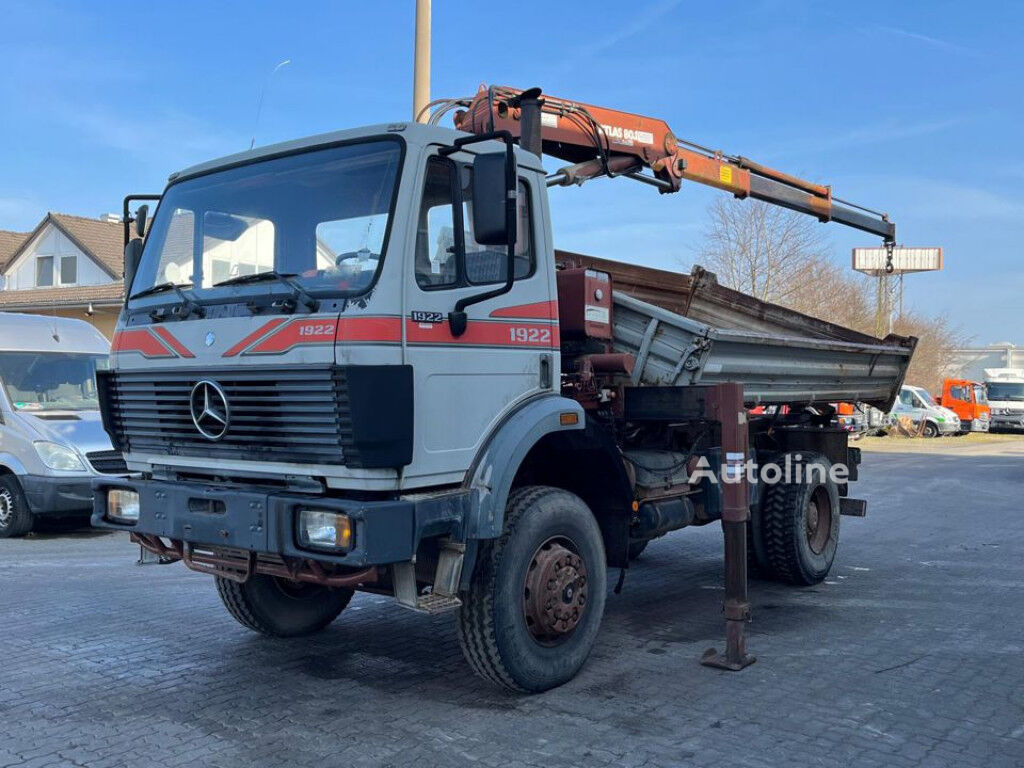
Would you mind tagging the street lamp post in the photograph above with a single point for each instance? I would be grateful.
(421, 62)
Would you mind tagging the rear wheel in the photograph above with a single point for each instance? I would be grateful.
(800, 523)
(281, 607)
(15, 517)
(535, 602)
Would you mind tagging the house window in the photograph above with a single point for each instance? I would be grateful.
(44, 271)
(68, 270)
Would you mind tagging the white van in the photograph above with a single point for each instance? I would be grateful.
(919, 406)
(52, 441)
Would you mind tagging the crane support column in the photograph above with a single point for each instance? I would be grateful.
(725, 405)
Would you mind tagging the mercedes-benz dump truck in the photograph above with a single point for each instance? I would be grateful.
(357, 362)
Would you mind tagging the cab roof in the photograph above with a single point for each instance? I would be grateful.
(412, 133)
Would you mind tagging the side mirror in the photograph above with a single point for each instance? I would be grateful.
(491, 199)
(140, 220)
(132, 257)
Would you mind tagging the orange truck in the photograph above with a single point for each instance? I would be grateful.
(968, 400)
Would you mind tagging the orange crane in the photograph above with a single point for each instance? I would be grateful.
(607, 142)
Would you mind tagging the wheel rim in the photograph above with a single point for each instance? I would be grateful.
(555, 592)
(819, 521)
(296, 590)
(6, 508)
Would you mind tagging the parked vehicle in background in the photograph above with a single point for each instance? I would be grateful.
(52, 441)
(968, 401)
(852, 419)
(1005, 391)
(921, 408)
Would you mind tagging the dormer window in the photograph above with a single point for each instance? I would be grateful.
(44, 271)
(47, 274)
(68, 270)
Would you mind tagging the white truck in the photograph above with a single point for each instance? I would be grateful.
(52, 442)
(356, 362)
(1005, 387)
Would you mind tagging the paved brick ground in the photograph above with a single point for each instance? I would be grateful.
(911, 654)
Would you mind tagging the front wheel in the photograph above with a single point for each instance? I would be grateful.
(15, 517)
(280, 607)
(930, 430)
(537, 595)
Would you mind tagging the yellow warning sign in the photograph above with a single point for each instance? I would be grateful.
(725, 174)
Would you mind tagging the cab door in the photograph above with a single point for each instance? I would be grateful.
(465, 384)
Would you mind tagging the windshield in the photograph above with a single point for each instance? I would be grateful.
(1005, 390)
(323, 216)
(928, 399)
(51, 381)
(979, 395)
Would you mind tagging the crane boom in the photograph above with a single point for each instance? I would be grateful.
(601, 141)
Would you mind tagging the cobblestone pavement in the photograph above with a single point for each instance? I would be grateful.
(910, 654)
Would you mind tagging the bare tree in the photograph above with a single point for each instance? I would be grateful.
(760, 249)
(782, 257)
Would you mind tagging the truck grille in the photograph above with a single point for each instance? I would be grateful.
(298, 414)
(107, 462)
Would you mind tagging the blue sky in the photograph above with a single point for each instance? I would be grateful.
(915, 108)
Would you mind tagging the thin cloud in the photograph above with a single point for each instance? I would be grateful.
(875, 133)
(934, 42)
(148, 137)
(641, 21)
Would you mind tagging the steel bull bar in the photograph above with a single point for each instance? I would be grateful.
(236, 532)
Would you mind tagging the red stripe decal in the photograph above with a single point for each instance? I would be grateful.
(140, 340)
(172, 342)
(542, 310)
(370, 329)
(252, 337)
(485, 334)
(296, 333)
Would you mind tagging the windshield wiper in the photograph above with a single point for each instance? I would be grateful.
(161, 288)
(188, 304)
(285, 278)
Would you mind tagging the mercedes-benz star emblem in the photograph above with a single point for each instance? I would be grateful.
(210, 411)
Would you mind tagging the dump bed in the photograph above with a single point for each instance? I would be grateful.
(687, 329)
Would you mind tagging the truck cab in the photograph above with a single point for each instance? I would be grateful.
(968, 401)
(1005, 392)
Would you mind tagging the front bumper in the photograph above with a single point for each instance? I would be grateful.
(948, 427)
(57, 496)
(263, 520)
(1008, 421)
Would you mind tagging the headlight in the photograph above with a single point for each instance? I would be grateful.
(58, 456)
(320, 529)
(122, 505)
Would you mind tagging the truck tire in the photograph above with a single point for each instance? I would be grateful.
(15, 517)
(282, 608)
(800, 525)
(534, 606)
